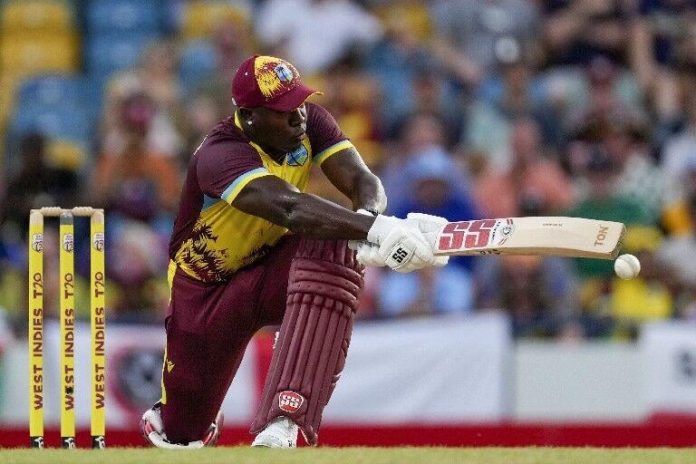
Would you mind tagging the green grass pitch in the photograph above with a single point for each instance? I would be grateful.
(245, 455)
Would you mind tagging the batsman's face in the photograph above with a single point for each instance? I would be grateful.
(282, 132)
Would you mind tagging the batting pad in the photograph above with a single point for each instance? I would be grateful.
(323, 289)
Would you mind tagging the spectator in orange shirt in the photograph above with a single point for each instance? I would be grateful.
(134, 181)
(531, 185)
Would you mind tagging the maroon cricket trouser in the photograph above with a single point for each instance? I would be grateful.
(208, 328)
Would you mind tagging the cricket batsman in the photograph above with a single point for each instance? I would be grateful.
(249, 249)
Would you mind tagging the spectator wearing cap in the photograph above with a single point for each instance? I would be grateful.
(437, 186)
(607, 93)
(156, 78)
(419, 133)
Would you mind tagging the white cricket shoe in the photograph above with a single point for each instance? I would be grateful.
(280, 433)
(152, 427)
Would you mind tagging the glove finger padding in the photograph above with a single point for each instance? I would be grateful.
(368, 255)
(430, 226)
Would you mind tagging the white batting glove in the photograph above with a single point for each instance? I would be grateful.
(401, 245)
(367, 253)
(430, 226)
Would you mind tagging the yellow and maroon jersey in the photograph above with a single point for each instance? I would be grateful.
(211, 238)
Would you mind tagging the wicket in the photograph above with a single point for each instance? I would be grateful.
(67, 325)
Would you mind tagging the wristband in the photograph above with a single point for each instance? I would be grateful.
(367, 212)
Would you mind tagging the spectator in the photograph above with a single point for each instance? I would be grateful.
(410, 78)
(504, 97)
(679, 150)
(677, 217)
(203, 112)
(37, 183)
(156, 78)
(647, 297)
(436, 186)
(577, 30)
(420, 132)
(472, 32)
(134, 181)
(232, 41)
(539, 293)
(446, 290)
(157, 74)
(659, 31)
(608, 93)
(640, 177)
(676, 253)
(602, 202)
(329, 28)
(531, 185)
(135, 267)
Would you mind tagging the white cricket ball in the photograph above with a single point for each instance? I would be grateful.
(627, 266)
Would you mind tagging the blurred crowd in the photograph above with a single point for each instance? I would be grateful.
(464, 108)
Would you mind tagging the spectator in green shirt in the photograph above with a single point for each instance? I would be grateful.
(603, 202)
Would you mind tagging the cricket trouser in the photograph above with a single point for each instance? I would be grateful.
(208, 328)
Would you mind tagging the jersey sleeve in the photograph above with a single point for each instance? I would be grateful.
(226, 167)
(326, 137)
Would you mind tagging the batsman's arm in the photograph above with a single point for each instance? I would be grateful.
(347, 171)
(401, 246)
(281, 203)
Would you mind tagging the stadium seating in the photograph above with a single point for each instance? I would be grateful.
(51, 90)
(106, 54)
(69, 128)
(123, 17)
(26, 54)
(198, 62)
(200, 18)
(46, 16)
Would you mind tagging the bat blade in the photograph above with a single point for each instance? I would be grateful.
(545, 235)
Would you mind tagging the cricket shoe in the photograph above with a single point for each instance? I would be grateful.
(152, 428)
(280, 433)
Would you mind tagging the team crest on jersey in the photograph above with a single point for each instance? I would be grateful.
(289, 401)
(37, 242)
(297, 157)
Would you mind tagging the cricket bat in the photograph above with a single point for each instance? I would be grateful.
(550, 235)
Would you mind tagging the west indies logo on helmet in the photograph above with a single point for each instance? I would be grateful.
(269, 82)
